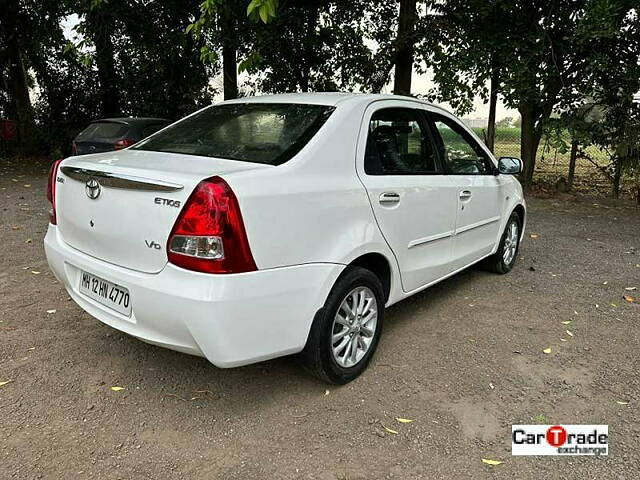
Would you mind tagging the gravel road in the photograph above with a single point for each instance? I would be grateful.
(464, 360)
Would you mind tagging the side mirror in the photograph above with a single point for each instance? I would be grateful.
(510, 165)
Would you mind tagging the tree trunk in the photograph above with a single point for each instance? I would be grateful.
(26, 127)
(617, 176)
(101, 27)
(308, 50)
(529, 141)
(572, 165)
(230, 71)
(493, 101)
(404, 50)
(229, 54)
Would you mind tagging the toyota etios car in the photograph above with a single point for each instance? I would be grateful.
(274, 225)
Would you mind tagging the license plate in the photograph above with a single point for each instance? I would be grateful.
(106, 293)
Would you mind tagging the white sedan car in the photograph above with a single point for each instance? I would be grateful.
(268, 226)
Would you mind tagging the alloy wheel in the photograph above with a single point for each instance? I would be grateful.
(354, 327)
(510, 243)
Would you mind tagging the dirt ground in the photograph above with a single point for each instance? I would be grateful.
(463, 359)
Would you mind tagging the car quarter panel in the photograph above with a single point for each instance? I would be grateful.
(313, 208)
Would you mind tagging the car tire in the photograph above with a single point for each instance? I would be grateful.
(322, 356)
(502, 262)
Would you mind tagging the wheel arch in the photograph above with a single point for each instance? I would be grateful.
(521, 211)
(380, 266)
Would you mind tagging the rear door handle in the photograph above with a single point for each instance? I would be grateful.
(465, 195)
(389, 198)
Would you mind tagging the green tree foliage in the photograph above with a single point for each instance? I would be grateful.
(312, 45)
(27, 31)
(506, 122)
(545, 52)
(603, 112)
(144, 62)
(300, 46)
(131, 57)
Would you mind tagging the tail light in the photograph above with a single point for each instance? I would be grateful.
(124, 143)
(209, 234)
(51, 191)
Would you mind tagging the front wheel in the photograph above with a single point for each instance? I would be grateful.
(345, 332)
(505, 257)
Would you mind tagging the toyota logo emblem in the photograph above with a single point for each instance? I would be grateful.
(92, 188)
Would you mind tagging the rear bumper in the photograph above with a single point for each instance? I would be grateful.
(231, 320)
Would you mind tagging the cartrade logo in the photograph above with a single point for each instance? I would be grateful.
(560, 440)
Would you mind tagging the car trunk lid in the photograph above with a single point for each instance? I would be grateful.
(121, 207)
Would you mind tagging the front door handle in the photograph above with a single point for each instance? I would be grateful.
(389, 198)
(465, 195)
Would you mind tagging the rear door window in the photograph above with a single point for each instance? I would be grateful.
(269, 133)
(399, 143)
(102, 130)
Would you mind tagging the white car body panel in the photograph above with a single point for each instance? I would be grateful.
(306, 220)
(112, 213)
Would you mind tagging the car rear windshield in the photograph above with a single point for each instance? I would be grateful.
(269, 133)
(102, 130)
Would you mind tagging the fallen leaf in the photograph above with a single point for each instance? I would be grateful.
(631, 289)
(16, 227)
(563, 339)
(569, 333)
(404, 420)
(117, 389)
(534, 235)
(547, 350)
(31, 348)
(390, 430)
(491, 386)
(28, 240)
(326, 392)
(35, 272)
(614, 304)
(5, 382)
(566, 322)
(53, 310)
(629, 298)
(493, 463)
(27, 185)
(604, 283)
(622, 403)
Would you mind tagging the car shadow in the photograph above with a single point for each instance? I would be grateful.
(162, 375)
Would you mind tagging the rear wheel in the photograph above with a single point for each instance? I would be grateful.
(505, 257)
(345, 332)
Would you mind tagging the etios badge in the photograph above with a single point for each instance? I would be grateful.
(92, 188)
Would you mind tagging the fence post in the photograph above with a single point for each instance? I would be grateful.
(572, 164)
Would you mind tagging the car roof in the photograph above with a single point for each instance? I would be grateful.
(133, 120)
(327, 98)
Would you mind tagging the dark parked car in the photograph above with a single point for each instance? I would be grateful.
(115, 133)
